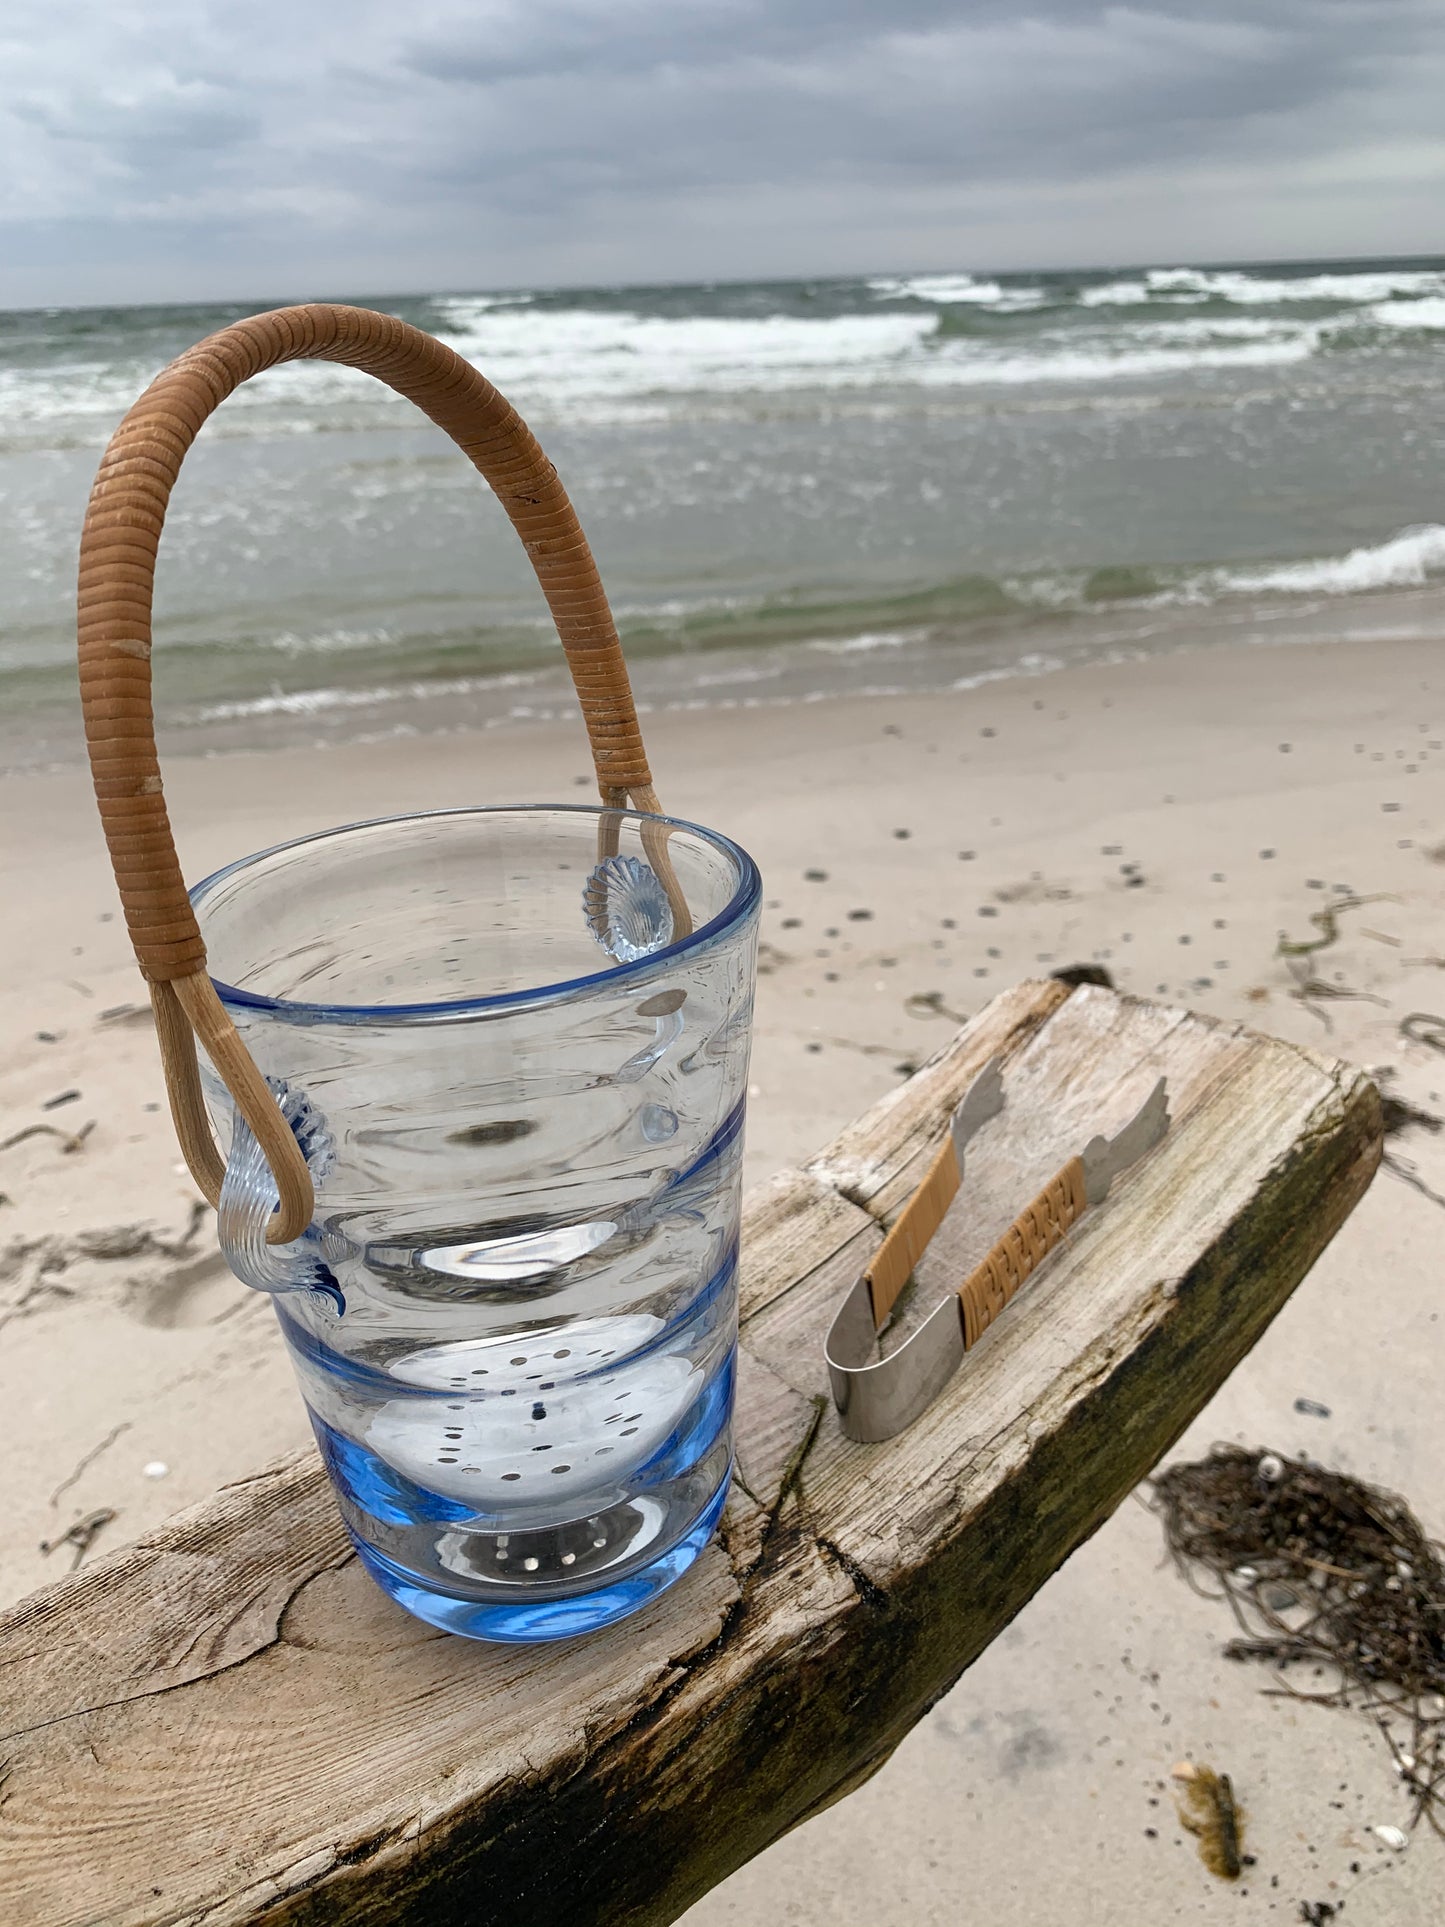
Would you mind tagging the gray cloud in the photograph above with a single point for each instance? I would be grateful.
(229, 150)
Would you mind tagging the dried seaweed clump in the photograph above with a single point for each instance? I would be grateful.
(1327, 1572)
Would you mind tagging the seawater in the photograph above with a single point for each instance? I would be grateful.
(792, 488)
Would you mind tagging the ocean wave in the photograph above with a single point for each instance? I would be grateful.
(1406, 561)
(77, 388)
(1411, 559)
(1062, 363)
(581, 358)
(600, 360)
(315, 702)
(1198, 330)
(1137, 293)
(1239, 286)
(602, 367)
(1360, 287)
(1427, 313)
(945, 288)
(584, 355)
(461, 309)
(865, 644)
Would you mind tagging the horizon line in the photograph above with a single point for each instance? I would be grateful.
(1211, 265)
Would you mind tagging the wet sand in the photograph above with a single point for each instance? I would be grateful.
(1166, 820)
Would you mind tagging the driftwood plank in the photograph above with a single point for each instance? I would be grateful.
(226, 1723)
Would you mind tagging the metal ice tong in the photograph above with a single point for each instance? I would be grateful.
(879, 1397)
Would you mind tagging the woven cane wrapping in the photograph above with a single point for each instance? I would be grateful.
(1038, 1228)
(122, 534)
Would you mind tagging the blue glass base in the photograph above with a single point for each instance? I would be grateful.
(524, 1622)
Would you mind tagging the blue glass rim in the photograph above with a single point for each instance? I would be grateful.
(746, 897)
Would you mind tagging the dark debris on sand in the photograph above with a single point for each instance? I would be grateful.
(1326, 1572)
(1083, 974)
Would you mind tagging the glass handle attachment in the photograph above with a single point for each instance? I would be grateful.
(249, 1197)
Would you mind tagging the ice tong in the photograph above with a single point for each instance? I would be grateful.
(880, 1397)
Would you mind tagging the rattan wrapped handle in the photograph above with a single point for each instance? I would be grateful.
(1034, 1233)
(1039, 1227)
(117, 572)
(912, 1231)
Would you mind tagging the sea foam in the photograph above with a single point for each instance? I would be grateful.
(1407, 560)
(1188, 285)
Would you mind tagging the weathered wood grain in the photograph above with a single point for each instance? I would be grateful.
(227, 1723)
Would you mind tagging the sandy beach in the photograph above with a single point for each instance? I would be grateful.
(1166, 819)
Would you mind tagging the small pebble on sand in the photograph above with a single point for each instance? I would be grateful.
(155, 1469)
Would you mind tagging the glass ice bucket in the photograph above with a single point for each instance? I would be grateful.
(514, 1313)
(466, 1088)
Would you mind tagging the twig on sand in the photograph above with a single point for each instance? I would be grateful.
(120, 1015)
(868, 1050)
(1422, 1027)
(1403, 1169)
(1401, 1115)
(90, 1458)
(140, 1240)
(70, 1141)
(1310, 990)
(1327, 921)
(929, 1003)
(82, 1535)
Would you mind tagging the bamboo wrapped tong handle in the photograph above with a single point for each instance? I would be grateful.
(117, 574)
(1034, 1233)
(1039, 1227)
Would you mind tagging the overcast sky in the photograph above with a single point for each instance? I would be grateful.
(184, 149)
